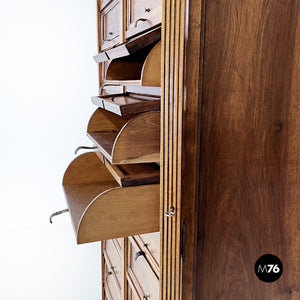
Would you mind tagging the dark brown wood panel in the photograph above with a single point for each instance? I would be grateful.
(250, 149)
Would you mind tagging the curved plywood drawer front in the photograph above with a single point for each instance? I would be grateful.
(100, 209)
(126, 139)
(143, 67)
(140, 272)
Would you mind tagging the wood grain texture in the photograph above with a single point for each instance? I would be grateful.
(191, 126)
(142, 65)
(98, 206)
(104, 218)
(139, 140)
(124, 104)
(173, 25)
(151, 69)
(126, 139)
(250, 149)
(134, 174)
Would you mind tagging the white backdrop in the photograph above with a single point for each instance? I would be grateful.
(47, 76)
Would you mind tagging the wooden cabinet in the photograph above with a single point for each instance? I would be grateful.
(222, 89)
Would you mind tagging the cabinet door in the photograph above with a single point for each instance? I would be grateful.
(111, 25)
(142, 15)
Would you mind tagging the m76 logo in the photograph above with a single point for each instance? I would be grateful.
(268, 268)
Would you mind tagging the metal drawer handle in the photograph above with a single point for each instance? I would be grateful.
(171, 212)
(109, 39)
(138, 20)
(147, 9)
(58, 213)
(138, 254)
(84, 147)
(107, 84)
(107, 274)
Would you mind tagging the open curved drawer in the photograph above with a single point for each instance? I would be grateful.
(142, 67)
(128, 103)
(102, 210)
(126, 139)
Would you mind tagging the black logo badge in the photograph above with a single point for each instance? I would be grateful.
(268, 268)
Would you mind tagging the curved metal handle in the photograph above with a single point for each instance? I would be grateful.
(107, 84)
(58, 213)
(107, 274)
(84, 147)
(171, 212)
(138, 20)
(109, 39)
(138, 254)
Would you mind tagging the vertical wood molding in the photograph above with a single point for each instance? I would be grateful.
(173, 36)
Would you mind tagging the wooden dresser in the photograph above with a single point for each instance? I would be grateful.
(194, 172)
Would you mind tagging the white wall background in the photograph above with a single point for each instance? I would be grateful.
(47, 76)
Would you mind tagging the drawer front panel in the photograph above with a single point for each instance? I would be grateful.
(139, 268)
(150, 244)
(112, 291)
(113, 259)
(142, 15)
(110, 24)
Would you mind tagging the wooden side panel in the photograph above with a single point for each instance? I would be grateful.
(250, 149)
(173, 28)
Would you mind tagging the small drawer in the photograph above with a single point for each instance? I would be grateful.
(111, 20)
(142, 15)
(114, 261)
(149, 243)
(112, 291)
(140, 273)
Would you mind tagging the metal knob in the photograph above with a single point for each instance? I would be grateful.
(147, 9)
(171, 212)
(138, 254)
(139, 20)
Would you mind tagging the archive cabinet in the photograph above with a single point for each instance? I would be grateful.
(194, 172)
